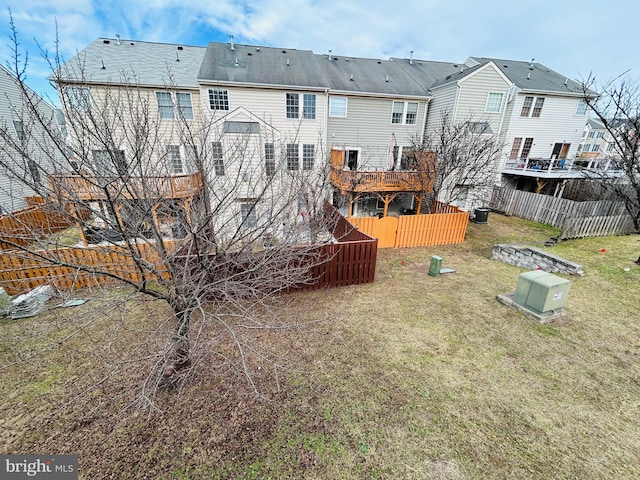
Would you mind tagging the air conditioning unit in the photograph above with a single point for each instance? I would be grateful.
(541, 291)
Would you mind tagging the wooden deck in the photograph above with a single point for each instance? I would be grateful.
(358, 181)
(77, 187)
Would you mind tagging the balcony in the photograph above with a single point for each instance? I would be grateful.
(382, 181)
(553, 168)
(79, 187)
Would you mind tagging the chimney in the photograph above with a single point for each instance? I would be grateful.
(411, 58)
(233, 47)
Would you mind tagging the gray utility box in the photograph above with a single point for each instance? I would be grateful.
(541, 291)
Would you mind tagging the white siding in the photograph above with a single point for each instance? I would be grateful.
(557, 123)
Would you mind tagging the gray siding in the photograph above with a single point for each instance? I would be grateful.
(444, 100)
(13, 191)
(368, 127)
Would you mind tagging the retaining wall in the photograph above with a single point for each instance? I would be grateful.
(534, 258)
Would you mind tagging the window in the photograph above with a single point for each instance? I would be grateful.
(309, 106)
(292, 105)
(526, 148)
(592, 134)
(515, 149)
(293, 157)
(109, 162)
(165, 105)
(19, 128)
(174, 161)
(398, 110)
(248, 214)
(218, 99)
(308, 156)
(480, 127)
(269, 159)
(595, 148)
(600, 135)
(35, 172)
(527, 109)
(610, 148)
(218, 160)
(184, 105)
(412, 113)
(538, 107)
(404, 112)
(587, 147)
(494, 103)
(526, 106)
(338, 107)
(244, 128)
(79, 98)
(581, 109)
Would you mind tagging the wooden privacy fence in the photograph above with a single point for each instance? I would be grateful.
(576, 219)
(25, 226)
(350, 261)
(448, 227)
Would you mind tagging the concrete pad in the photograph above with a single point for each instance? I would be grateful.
(507, 299)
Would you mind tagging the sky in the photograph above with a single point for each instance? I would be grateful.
(574, 38)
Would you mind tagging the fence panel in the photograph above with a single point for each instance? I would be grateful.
(576, 219)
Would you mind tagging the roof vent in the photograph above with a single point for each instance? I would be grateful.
(117, 39)
(411, 58)
(177, 56)
(232, 45)
(284, 51)
(257, 49)
(387, 79)
(288, 65)
(330, 55)
(566, 80)
(180, 47)
(103, 67)
(236, 62)
(351, 77)
(531, 64)
(106, 41)
(346, 59)
(529, 76)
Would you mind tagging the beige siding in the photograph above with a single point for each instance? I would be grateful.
(443, 102)
(472, 97)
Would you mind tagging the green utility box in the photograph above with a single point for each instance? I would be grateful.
(541, 291)
(435, 266)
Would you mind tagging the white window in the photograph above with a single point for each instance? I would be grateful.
(600, 135)
(529, 108)
(494, 102)
(308, 156)
(218, 160)
(174, 160)
(248, 214)
(269, 159)
(19, 128)
(292, 105)
(404, 113)
(293, 156)
(338, 107)
(309, 106)
(218, 99)
(581, 109)
(165, 105)
(184, 105)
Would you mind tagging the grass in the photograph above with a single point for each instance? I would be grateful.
(411, 377)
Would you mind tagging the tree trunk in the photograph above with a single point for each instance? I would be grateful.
(181, 356)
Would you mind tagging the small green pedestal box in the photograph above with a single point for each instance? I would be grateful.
(435, 266)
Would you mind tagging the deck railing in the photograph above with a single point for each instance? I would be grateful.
(80, 187)
(551, 165)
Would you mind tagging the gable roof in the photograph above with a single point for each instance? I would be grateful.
(595, 124)
(267, 66)
(369, 75)
(108, 61)
(534, 77)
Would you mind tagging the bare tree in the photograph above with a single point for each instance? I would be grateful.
(467, 153)
(618, 108)
(199, 217)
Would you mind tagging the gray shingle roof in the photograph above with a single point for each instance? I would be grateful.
(367, 75)
(595, 124)
(428, 73)
(261, 65)
(534, 76)
(143, 63)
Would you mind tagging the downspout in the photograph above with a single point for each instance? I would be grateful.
(504, 113)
